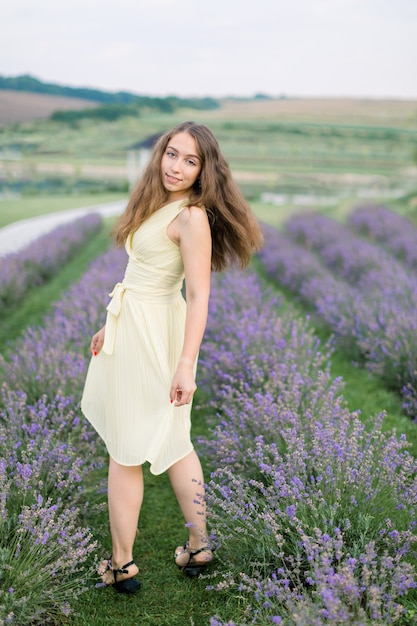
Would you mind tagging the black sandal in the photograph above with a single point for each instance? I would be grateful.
(128, 585)
(193, 569)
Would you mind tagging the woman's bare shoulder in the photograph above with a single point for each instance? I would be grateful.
(193, 215)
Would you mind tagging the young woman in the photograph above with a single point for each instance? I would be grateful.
(185, 218)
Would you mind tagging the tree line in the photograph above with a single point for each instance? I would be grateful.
(113, 105)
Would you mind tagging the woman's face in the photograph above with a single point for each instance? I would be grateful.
(180, 166)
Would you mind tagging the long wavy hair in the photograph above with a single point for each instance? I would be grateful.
(235, 231)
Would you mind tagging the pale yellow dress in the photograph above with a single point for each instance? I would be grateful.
(126, 393)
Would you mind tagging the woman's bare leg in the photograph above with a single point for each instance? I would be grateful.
(125, 496)
(187, 481)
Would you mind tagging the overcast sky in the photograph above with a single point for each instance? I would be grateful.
(216, 47)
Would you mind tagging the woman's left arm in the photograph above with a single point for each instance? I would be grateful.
(194, 237)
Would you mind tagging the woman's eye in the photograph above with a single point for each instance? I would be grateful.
(190, 162)
(170, 154)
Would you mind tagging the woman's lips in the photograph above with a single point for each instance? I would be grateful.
(172, 179)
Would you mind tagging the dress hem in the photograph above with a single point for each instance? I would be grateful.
(150, 462)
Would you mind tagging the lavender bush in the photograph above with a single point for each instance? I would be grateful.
(347, 255)
(42, 259)
(313, 516)
(395, 232)
(41, 541)
(46, 452)
(300, 270)
(287, 345)
(398, 235)
(52, 359)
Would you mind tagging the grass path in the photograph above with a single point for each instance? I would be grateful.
(167, 597)
(14, 209)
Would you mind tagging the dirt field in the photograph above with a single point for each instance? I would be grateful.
(341, 110)
(22, 106)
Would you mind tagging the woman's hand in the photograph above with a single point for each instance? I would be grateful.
(183, 384)
(97, 341)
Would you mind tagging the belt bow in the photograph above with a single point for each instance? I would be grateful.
(113, 310)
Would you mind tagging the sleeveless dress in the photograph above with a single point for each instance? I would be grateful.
(126, 392)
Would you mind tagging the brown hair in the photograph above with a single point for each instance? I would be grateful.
(234, 229)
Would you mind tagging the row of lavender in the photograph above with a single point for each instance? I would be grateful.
(46, 452)
(43, 258)
(314, 516)
(365, 290)
(391, 229)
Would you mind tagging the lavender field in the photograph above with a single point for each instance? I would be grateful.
(43, 258)
(313, 515)
(361, 280)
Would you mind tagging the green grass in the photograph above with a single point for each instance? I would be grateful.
(14, 209)
(312, 155)
(277, 215)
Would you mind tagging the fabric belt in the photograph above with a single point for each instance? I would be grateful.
(113, 310)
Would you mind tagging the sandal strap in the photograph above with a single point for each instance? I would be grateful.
(123, 570)
(195, 552)
(192, 553)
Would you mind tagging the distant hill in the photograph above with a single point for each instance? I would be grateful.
(102, 105)
(24, 106)
(29, 83)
